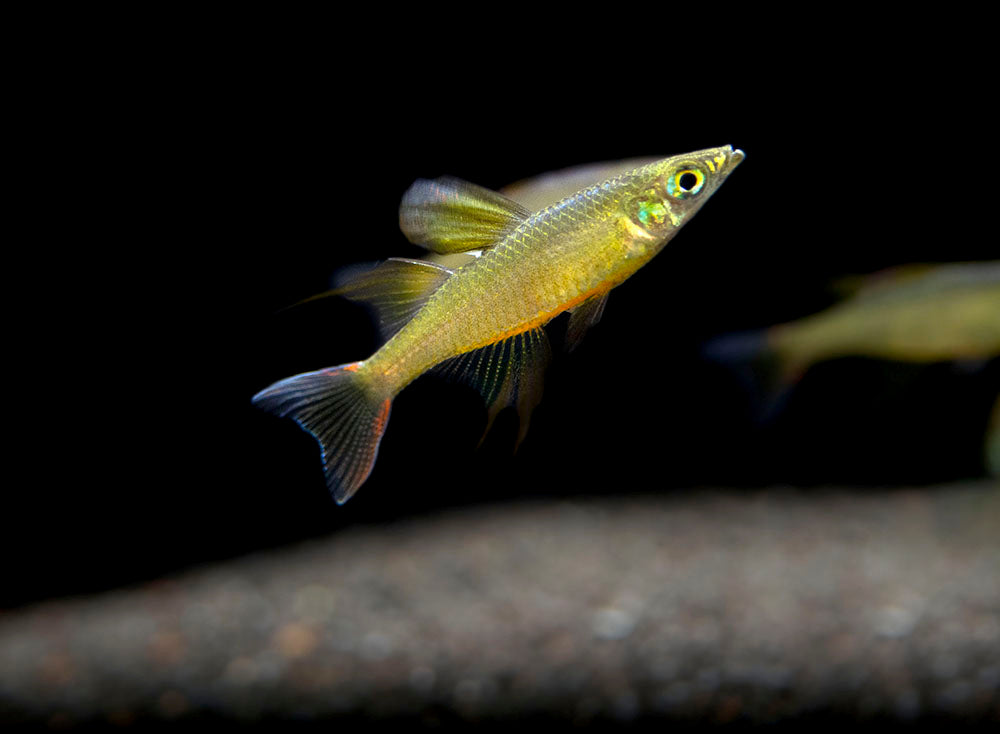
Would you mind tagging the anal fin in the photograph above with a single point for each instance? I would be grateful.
(508, 372)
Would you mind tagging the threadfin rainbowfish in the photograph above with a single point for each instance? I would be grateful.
(482, 320)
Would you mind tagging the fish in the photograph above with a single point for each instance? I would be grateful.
(991, 451)
(920, 313)
(479, 316)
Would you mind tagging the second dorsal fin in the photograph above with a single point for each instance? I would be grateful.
(451, 215)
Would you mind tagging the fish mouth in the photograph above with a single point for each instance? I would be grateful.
(736, 157)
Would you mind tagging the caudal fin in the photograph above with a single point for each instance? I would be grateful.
(334, 407)
(766, 378)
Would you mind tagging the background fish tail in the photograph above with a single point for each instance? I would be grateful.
(334, 406)
(762, 372)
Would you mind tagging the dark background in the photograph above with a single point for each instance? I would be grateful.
(208, 191)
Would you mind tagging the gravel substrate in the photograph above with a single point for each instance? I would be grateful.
(712, 605)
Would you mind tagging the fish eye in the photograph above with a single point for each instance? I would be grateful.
(685, 182)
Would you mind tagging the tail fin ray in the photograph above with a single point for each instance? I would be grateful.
(332, 405)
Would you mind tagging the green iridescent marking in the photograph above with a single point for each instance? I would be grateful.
(651, 212)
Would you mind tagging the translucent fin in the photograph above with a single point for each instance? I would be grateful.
(917, 280)
(333, 406)
(453, 260)
(509, 372)
(397, 289)
(875, 284)
(550, 188)
(451, 215)
(583, 317)
(765, 376)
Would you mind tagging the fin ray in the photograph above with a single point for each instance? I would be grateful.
(584, 316)
(332, 405)
(396, 289)
(449, 215)
(508, 372)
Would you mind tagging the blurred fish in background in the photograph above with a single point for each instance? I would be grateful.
(545, 189)
(917, 313)
(993, 442)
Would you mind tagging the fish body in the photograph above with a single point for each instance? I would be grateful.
(555, 259)
(481, 320)
(912, 314)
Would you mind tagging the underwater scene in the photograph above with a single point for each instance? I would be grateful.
(623, 415)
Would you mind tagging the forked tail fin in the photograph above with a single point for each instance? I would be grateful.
(765, 376)
(333, 405)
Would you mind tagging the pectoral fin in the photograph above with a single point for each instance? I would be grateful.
(509, 372)
(584, 316)
(449, 215)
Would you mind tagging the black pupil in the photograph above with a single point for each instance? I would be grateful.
(688, 181)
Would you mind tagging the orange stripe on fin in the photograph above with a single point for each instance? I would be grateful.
(333, 406)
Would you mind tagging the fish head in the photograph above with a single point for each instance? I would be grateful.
(662, 196)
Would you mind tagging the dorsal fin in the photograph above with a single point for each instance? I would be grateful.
(451, 215)
(396, 288)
